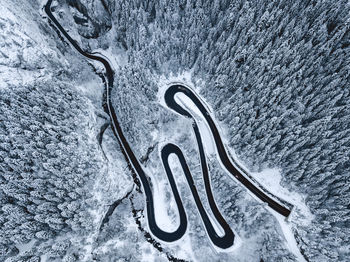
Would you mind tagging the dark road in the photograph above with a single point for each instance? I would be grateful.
(225, 241)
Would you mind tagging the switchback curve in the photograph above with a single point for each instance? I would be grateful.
(227, 239)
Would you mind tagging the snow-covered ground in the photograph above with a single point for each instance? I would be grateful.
(31, 52)
(166, 213)
(269, 178)
(207, 140)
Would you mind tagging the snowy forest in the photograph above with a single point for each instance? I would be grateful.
(275, 73)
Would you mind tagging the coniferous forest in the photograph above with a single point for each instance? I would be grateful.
(275, 75)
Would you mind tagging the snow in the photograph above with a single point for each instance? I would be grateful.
(271, 178)
(185, 249)
(148, 254)
(207, 139)
(22, 49)
(182, 99)
(268, 178)
(115, 58)
(164, 82)
(175, 165)
(154, 135)
(176, 168)
(289, 236)
(205, 133)
(6, 13)
(43, 258)
(162, 207)
(25, 247)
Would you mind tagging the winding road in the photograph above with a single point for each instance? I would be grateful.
(227, 239)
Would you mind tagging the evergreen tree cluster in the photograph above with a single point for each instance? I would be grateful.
(277, 75)
(275, 72)
(47, 164)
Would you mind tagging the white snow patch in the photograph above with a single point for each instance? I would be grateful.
(148, 254)
(43, 258)
(185, 249)
(115, 58)
(205, 133)
(6, 13)
(271, 178)
(154, 135)
(161, 207)
(25, 247)
(289, 236)
(165, 210)
(176, 169)
(91, 89)
(164, 82)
